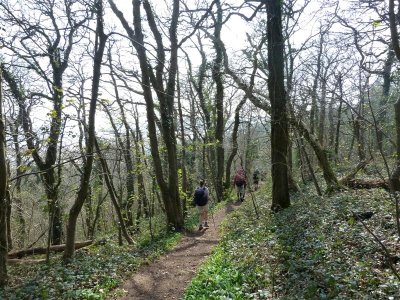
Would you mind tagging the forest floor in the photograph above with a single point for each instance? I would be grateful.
(167, 277)
(315, 249)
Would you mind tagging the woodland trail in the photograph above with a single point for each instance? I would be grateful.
(167, 277)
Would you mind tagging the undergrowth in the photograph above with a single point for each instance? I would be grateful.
(96, 271)
(313, 250)
(92, 275)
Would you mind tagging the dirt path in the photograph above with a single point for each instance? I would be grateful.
(168, 277)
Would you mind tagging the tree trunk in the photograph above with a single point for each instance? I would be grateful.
(359, 131)
(205, 109)
(395, 177)
(358, 136)
(3, 190)
(329, 176)
(301, 163)
(247, 159)
(310, 168)
(173, 203)
(234, 143)
(361, 165)
(8, 201)
(100, 200)
(141, 159)
(113, 193)
(126, 149)
(322, 114)
(383, 103)
(43, 250)
(314, 92)
(293, 186)
(321, 154)
(339, 116)
(143, 203)
(14, 128)
(331, 134)
(169, 189)
(82, 194)
(279, 122)
(219, 104)
(55, 223)
(46, 166)
(185, 184)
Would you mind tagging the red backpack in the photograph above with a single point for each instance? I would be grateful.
(239, 179)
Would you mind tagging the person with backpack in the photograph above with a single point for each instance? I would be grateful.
(256, 179)
(200, 199)
(239, 181)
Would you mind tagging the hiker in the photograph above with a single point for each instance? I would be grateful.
(256, 179)
(200, 199)
(239, 181)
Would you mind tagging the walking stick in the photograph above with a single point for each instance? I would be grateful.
(212, 215)
(254, 204)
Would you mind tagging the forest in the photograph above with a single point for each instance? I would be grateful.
(112, 111)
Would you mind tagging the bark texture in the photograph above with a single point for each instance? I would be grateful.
(279, 120)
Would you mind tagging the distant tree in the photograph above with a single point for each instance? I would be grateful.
(114, 196)
(339, 114)
(14, 126)
(202, 127)
(124, 143)
(258, 98)
(373, 62)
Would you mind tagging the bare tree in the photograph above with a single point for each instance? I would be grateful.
(113, 193)
(166, 179)
(14, 125)
(100, 43)
(125, 146)
(32, 42)
(202, 104)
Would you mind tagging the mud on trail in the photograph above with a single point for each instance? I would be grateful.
(168, 277)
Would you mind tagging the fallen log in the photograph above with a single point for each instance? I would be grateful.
(366, 184)
(43, 250)
(361, 166)
(17, 261)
